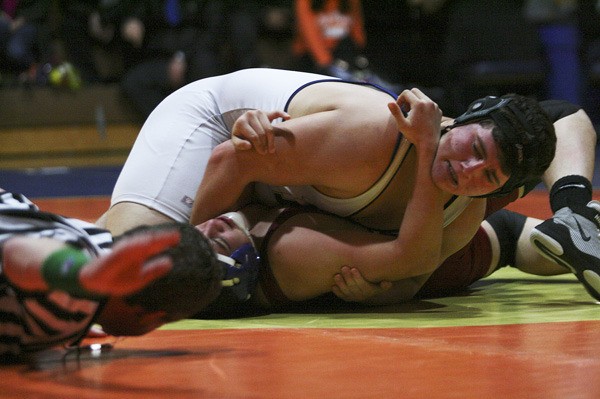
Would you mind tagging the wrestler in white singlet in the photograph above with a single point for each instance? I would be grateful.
(169, 158)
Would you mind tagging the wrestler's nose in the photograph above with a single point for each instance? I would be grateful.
(211, 227)
(472, 165)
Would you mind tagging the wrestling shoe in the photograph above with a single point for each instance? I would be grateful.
(573, 241)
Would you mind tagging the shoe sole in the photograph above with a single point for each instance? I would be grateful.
(552, 250)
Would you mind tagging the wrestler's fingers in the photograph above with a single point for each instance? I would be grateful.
(278, 114)
(397, 114)
(344, 295)
(241, 144)
(340, 284)
(336, 291)
(242, 136)
(260, 125)
(263, 133)
(419, 94)
(270, 137)
(359, 284)
(247, 131)
(345, 288)
(354, 285)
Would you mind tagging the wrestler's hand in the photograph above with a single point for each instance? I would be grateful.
(254, 130)
(351, 286)
(421, 123)
(127, 268)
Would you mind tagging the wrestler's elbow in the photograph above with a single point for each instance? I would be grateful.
(417, 265)
(221, 155)
(233, 166)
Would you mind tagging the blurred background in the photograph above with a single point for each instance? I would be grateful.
(78, 78)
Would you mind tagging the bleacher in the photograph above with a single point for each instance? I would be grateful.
(49, 127)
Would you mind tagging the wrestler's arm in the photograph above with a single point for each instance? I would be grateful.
(309, 250)
(420, 237)
(418, 246)
(318, 149)
(351, 285)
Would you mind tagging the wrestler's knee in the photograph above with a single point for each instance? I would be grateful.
(125, 216)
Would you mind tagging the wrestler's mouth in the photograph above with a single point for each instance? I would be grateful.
(219, 243)
(452, 173)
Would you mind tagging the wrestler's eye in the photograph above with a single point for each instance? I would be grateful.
(477, 150)
(480, 153)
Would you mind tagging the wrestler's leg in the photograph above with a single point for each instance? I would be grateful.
(575, 134)
(160, 177)
(572, 236)
(508, 233)
(124, 216)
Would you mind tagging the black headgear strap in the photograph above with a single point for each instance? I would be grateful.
(519, 135)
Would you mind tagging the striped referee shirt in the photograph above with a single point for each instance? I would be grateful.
(31, 322)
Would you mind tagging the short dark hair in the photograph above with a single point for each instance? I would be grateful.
(193, 282)
(523, 132)
(527, 154)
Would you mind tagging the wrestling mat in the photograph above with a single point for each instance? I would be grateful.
(511, 336)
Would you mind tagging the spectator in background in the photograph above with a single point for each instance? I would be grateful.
(77, 38)
(240, 26)
(331, 40)
(175, 43)
(589, 17)
(330, 36)
(22, 24)
(560, 33)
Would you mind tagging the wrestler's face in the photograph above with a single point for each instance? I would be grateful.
(466, 162)
(224, 235)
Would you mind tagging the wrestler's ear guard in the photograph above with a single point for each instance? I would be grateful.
(241, 223)
(477, 110)
(481, 109)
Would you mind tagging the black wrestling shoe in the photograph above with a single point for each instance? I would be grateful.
(573, 241)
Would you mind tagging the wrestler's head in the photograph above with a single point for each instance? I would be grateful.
(227, 232)
(496, 146)
(231, 240)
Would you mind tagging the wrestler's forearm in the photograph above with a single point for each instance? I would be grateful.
(419, 239)
(221, 187)
(420, 235)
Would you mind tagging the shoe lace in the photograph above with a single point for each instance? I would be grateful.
(595, 205)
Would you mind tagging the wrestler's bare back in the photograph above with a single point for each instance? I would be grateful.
(353, 145)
